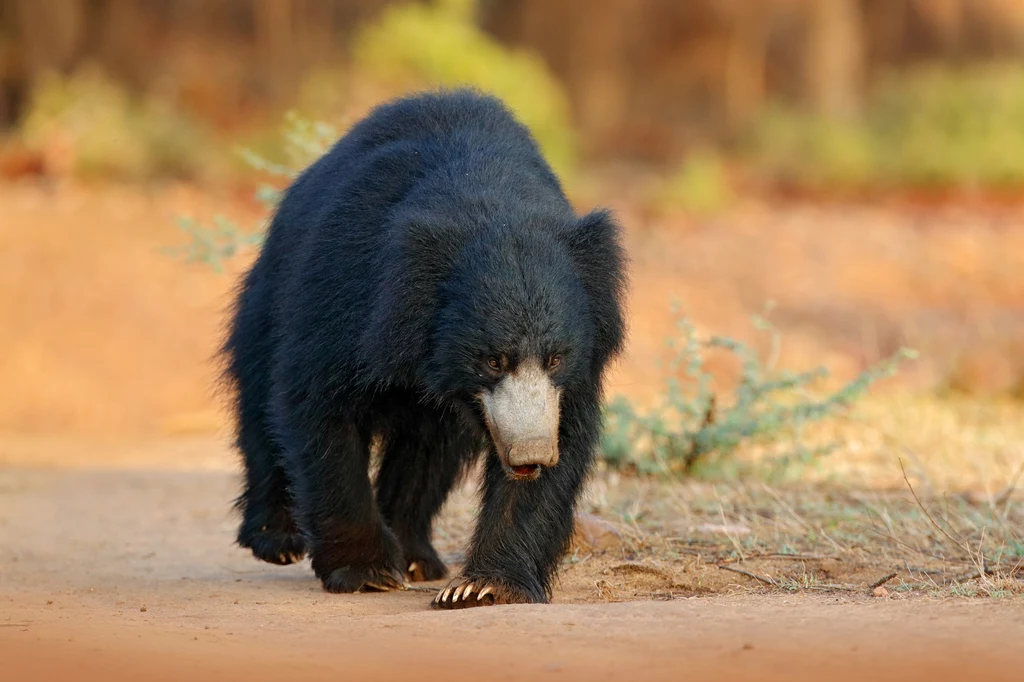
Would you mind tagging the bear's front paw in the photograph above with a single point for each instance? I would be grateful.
(364, 579)
(462, 593)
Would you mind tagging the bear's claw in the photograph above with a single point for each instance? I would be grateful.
(425, 566)
(462, 593)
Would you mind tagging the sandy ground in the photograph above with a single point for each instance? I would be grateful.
(113, 569)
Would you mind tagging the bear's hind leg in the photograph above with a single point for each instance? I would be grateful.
(268, 527)
(350, 546)
(422, 460)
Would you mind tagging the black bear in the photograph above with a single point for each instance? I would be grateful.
(425, 288)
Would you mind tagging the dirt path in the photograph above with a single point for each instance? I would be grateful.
(129, 573)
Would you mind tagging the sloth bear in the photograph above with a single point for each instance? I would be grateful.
(425, 289)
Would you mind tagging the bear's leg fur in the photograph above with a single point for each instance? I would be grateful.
(525, 527)
(350, 546)
(425, 452)
(268, 527)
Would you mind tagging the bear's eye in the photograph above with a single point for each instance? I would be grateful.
(494, 363)
(554, 361)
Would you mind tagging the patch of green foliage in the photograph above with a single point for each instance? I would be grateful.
(91, 125)
(417, 45)
(304, 142)
(212, 245)
(926, 127)
(695, 433)
(700, 185)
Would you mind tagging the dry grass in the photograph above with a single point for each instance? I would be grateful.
(901, 514)
(691, 539)
(686, 539)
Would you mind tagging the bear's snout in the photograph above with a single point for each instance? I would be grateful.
(522, 417)
(534, 451)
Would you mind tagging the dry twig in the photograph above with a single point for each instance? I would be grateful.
(759, 578)
(882, 581)
(780, 556)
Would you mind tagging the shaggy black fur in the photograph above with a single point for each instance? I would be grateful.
(429, 237)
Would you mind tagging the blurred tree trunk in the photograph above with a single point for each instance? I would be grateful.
(602, 69)
(945, 17)
(744, 77)
(273, 20)
(834, 57)
(36, 35)
(50, 31)
(885, 24)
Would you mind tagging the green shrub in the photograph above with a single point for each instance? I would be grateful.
(936, 126)
(927, 127)
(791, 146)
(420, 45)
(700, 185)
(304, 141)
(91, 127)
(693, 432)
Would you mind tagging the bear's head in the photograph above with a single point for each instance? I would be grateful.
(523, 319)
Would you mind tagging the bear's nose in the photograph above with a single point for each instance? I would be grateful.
(533, 452)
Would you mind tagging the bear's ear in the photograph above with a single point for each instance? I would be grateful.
(594, 243)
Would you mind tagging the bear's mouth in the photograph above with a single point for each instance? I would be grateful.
(525, 472)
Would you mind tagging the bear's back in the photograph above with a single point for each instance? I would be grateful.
(363, 238)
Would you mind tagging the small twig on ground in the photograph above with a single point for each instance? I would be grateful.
(759, 578)
(831, 587)
(882, 581)
(782, 557)
(686, 550)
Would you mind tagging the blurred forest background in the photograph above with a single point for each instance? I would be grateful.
(844, 84)
(859, 163)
